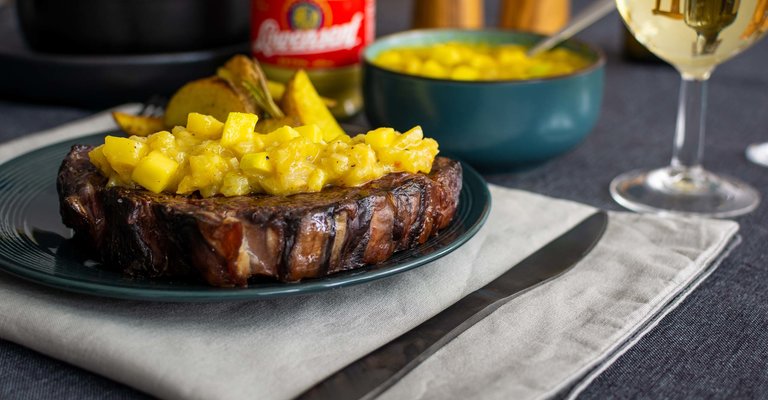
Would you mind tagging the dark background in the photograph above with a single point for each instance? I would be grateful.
(714, 345)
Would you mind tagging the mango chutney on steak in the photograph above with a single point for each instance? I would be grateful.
(230, 159)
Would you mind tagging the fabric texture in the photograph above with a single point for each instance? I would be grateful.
(538, 345)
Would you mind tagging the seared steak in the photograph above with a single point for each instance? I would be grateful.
(227, 240)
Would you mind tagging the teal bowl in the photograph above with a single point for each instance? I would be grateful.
(492, 125)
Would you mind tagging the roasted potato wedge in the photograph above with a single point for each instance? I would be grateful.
(277, 89)
(245, 76)
(301, 100)
(209, 96)
(138, 125)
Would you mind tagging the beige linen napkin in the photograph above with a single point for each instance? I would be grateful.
(551, 340)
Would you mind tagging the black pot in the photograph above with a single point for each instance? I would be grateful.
(132, 26)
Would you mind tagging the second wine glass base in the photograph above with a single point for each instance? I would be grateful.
(758, 153)
(684, 192)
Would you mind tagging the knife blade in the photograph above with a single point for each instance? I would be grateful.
(372, 374)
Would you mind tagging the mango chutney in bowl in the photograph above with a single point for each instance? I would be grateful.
(479, 61)
(481, 97)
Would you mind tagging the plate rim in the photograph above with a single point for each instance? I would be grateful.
(470, 178)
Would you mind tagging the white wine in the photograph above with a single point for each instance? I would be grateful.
(695, 35)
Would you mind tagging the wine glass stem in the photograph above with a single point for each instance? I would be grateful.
(689, 131)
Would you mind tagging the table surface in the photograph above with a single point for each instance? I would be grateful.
(714, 345)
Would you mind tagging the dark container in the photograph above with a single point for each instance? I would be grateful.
(132, 26)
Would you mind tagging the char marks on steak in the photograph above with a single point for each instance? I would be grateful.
(227, 240)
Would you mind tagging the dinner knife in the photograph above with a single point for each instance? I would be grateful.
(371, 375)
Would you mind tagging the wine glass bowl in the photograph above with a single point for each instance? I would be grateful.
(694, 36)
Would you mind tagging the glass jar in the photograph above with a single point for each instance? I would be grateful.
(323, 37)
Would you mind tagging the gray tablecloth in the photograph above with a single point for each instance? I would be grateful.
(714, 345)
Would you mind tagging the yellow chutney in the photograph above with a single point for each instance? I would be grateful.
(478, 61)
(229, 158)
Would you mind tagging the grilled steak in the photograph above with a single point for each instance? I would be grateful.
(227, 240)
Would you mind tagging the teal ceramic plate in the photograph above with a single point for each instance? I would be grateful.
(35, 245)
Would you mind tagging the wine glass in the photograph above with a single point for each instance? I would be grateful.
(694, 36)
(758, 152)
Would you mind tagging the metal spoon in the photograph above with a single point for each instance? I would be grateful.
(598, 9)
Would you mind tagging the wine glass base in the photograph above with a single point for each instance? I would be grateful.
(758, 153)
(682, 191)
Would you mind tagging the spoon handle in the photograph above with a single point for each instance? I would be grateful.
(598, 9)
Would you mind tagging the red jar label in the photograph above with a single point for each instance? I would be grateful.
(311, 33)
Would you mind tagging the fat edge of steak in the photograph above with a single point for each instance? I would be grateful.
(228, 240)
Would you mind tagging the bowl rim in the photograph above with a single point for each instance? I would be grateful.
(597, 64)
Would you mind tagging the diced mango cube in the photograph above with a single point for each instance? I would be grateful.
(186, 185)
(271, 185)
(317, 180)
(180, 156)
(140, 139)
(359, 138)
(429, 146)
(302, 149)
(363, 166)
(123, 154)
(184, 138)
(204, 126)
(210, 147)
(162, 141)
(207, 171)
(256, 163)
(390, 158)
(311, 132)
(100, 161)
(408, 138)
(255, 145)
(339, 163)
(116, 180)
(380, 138)
(296, 180)
(235, 184)
(237, 128)
(283, 160)
(281, 135)
(234, 163)
(155, 171)
(209, 190)
(338, 146)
